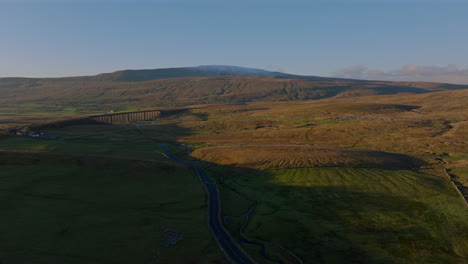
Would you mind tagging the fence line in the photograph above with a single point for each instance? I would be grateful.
(456, 187)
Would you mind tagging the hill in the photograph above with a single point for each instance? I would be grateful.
(190, 85)
(199, 71)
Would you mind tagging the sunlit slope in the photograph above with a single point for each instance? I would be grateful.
(348, 215)
(275, 157)
(418, 124)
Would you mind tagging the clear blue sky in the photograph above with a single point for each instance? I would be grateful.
(81, 37)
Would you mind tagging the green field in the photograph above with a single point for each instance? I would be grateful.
(347, 215)
(100, 210)
(85, 146)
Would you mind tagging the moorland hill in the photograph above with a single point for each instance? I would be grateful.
(193, 85)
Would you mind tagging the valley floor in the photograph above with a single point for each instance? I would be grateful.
(337, 181)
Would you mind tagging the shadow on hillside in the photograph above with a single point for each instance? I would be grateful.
(331, 224)
(170, 132)
(398, 89)
(342, 225)
(164, 128)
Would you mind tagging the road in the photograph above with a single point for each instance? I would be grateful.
(230, 248)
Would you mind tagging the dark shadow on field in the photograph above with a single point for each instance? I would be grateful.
(200, 116)
(247, 109)
(165, 132)
(330, 224)
(165, 128)
(398, 89)
(121, 202)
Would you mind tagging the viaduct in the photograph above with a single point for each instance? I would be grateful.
(100, 119)
(126, 117)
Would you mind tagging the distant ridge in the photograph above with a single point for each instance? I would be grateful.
(195, 85)
(199, 71)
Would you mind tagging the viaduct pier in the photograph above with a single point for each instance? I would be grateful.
(126, 117)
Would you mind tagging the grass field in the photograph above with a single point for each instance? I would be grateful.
(419, 125)
(348, 215)
(93, 201)
(85, 146)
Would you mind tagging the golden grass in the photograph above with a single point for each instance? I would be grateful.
(414, 124)
(275, 157)
(426, 124)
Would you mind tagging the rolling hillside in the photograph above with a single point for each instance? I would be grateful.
(330, 183)
(191, 85)
(278, 157)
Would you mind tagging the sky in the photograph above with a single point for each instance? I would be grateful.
(417, 40)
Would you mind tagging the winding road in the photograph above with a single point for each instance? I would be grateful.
(230, 248)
